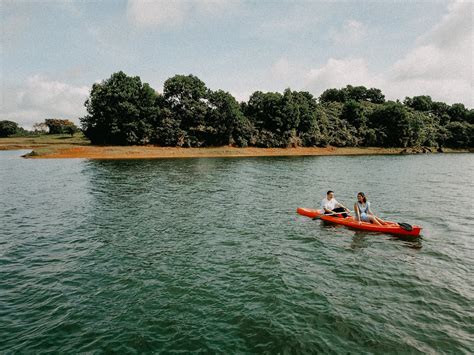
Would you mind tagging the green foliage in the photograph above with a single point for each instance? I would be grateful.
(419, 103)
(333, 95)
(392, 124)
(57, 126)
(225, 119)
(353, 113)
(121, 110)
(186, 99)
(337, 132)
(460, 134)
(8, 128)
(457, 112)
(356, 93)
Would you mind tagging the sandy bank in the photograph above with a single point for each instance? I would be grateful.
(50, 146)
(150, 152)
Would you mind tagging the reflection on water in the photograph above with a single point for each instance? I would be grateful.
(409, 241)
(359, 240)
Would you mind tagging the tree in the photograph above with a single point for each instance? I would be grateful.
(440, 110)
(121, 110)
(40, 127)
(58, 126)
(305, 123)
(225, 120)
(353, 113)
(265, 112)
(186, 98)
(336, 131)
(458, 112)
(375, 96)
(333, 95)
(419, 103)
(460, 135)
(392, 123)
(356, 93)
(71, 129)
(8, 128)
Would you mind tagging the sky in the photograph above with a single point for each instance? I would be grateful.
(53, 51)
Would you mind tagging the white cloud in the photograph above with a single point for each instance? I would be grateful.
(352, 32)
(337, 73)
(171, 13)
(39, 98)
(440, 65)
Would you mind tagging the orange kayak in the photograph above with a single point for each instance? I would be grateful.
(390, 227)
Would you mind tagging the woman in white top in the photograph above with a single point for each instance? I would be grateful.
(363, 211)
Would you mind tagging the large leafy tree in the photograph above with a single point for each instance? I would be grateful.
(186, 96)
(8, 128)
(121, 110)
(302, 125)
(225, 120)
(356, 93)
(460, 135)
(458, 112)
(264, 111)
(333, 95)
(393, 124)
(59, 126)
(419, 103)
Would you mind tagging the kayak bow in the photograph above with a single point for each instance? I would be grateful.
(351, 222)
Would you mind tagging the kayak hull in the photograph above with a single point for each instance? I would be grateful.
(390, 227)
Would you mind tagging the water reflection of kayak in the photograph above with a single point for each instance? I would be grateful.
(390, 227)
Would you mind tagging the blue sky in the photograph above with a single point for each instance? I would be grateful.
(53, 51)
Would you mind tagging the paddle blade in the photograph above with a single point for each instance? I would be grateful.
(406, 226)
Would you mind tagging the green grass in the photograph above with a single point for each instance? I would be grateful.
(78, 138)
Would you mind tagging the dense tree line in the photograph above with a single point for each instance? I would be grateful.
(49, 126)
(123, 110)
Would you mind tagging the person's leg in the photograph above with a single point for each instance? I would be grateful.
(380, 220)
(340, 209)
(374, 220)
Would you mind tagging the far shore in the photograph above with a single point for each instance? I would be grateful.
(58, 150)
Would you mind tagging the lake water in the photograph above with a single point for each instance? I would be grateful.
(208, 255)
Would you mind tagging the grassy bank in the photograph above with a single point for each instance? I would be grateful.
(42, 141)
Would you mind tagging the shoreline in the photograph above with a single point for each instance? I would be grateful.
(68, 151)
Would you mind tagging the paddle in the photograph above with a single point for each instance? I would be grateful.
(330, 214)
(405, 226)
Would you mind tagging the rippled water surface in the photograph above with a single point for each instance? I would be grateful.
(209, 255)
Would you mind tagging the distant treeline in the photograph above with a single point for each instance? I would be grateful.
(50, 126)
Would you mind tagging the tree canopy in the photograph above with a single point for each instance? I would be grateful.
(123, 110)
(59, 126)
(8, 128)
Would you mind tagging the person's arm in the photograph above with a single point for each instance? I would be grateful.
(369, 210)
(356, 210)
(341, 205)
